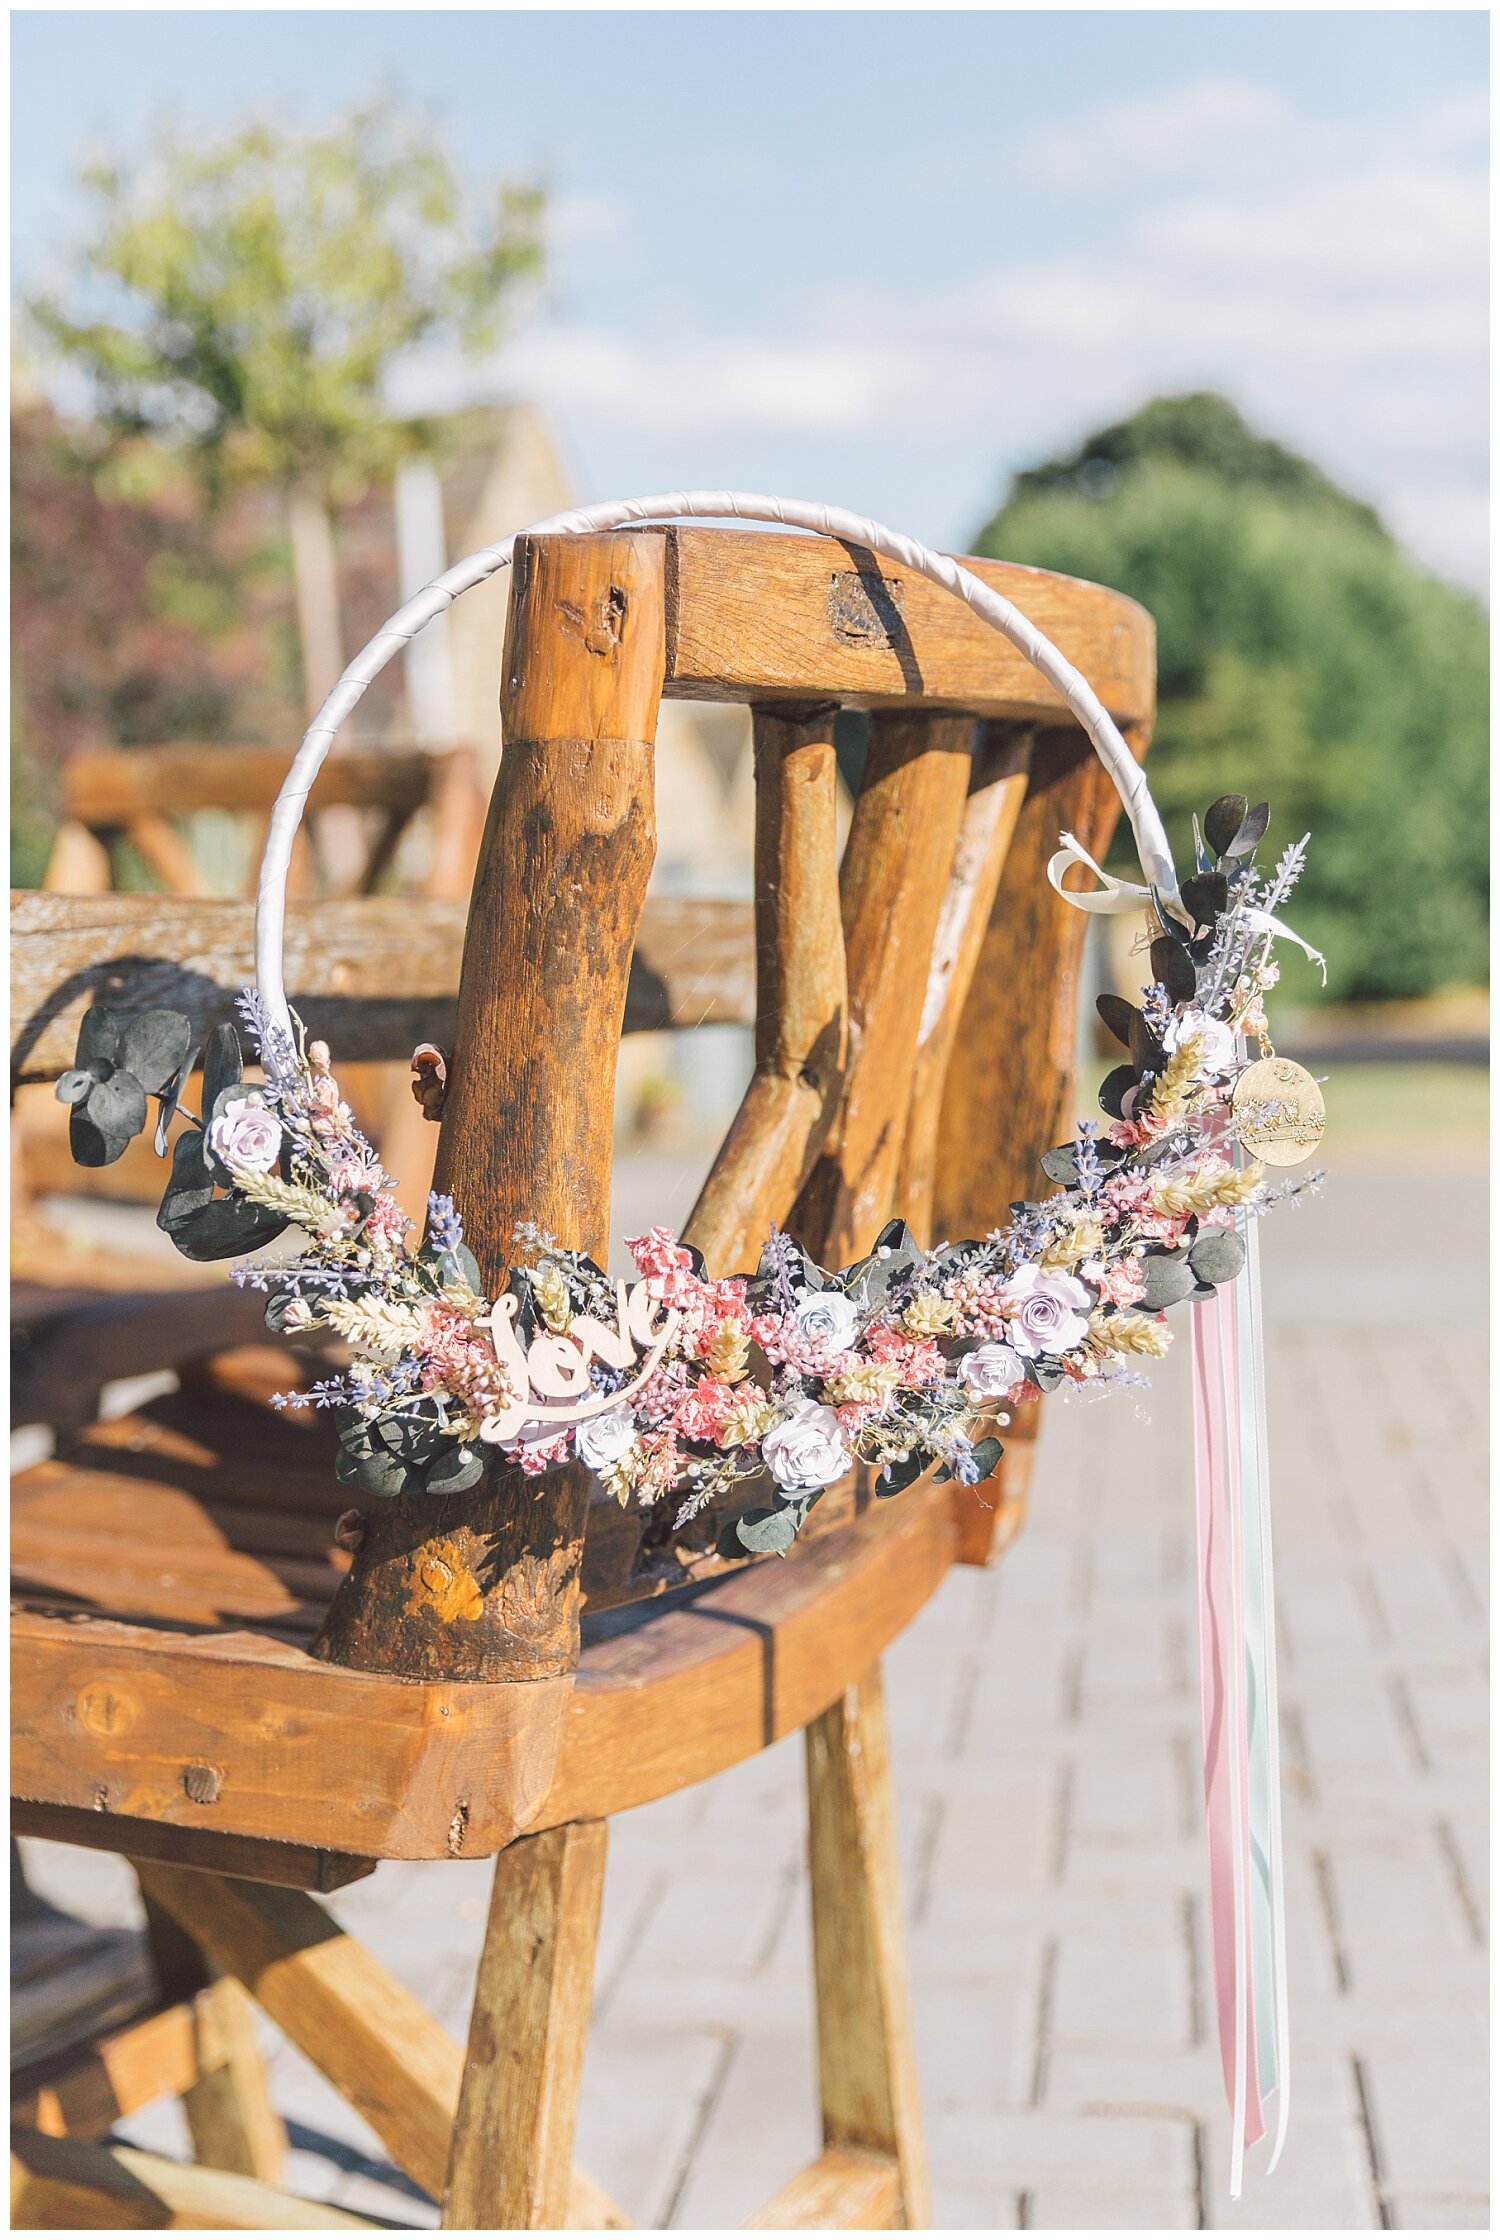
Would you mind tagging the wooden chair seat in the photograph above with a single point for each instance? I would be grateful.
(170, 1569)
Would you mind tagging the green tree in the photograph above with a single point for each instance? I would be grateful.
(1302, 656)
(248, 301)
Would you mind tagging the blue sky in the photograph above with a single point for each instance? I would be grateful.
(884, 258)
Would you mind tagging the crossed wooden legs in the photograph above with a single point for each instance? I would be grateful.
(512, 2144)
(489, 2131)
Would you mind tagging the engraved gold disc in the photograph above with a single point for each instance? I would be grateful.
(1278, 1111)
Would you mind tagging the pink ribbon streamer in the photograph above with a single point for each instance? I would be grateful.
(1221, 1635)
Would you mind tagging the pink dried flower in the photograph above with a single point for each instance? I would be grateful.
(782, 1339)
(539, 1455)
(350, 1173)
(667, 1268)
(705, 1409)
(919, 1361)
(1122, 1284)
(387, 1220)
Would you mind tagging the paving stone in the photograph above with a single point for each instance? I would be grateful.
(1065, 2209)
(1117, 1992)
(1322, 2182)
(1429, 2118)
(1044, 1738)
(1450, 2212)
(1034, 2148)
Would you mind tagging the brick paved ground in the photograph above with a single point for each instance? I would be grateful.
(1044, 1733)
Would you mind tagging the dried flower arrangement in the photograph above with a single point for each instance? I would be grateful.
(680, 1385)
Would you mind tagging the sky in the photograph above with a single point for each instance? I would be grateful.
(884, 259)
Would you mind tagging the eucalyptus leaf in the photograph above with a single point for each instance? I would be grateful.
(1223, 822)
(220, 1231)
(74, 1085)
(416, 1441)
(100, 1128)
(1164, 1281)
(1115, 1087)
(98, 1037)
(1118, 1015)
(153, 1047)
(189, 1185)
(1048, 1374)
(1204, 897)
(896, 1256)
(1173, 967)
(456, 1470)
(1146, 1052)
(356, 1430)
(1218, 1256)
(223, 1067)
(767, 1532)
(1061, 1165)
(379, 1473)
(986, 1452)
(1252, 831)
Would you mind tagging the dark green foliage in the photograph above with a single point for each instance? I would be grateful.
(456, 1470)
(1217, 1257)
(768, 1532)
(1167, 1278)
(1202, 432)
(1301, 651)
(115, 1070)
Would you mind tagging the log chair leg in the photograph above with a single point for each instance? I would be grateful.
(230, 2116)
(866, 2073)
(510, 2163)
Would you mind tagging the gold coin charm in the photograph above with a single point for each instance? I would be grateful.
(1278, 1111)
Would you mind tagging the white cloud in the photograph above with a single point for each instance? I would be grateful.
(1331, 278)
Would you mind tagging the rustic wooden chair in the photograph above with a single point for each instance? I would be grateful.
(206, 1684)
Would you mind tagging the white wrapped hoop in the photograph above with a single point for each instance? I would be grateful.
(678, 505)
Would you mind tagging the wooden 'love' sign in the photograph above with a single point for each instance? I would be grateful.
(550, 1380)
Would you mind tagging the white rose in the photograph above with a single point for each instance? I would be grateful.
(604, 1439)
(830, 1318)
(1218, 1038)
(806, 1448)
(990, 1371)
(246, 1134)
(1044, 1313)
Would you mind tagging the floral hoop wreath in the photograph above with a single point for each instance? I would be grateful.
(682, 1384)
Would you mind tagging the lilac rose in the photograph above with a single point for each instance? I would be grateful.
(1046, 1312)
(991, 1371)
(247, 1135)
(806, 1448)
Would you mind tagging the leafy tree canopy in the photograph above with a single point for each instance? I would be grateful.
(1301, 657)
(249, 298)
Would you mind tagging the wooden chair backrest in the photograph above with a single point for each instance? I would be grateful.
(864, 976)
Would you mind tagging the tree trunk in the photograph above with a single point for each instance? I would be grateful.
(316, 575)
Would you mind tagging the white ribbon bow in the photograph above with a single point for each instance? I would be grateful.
(1113, 897)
